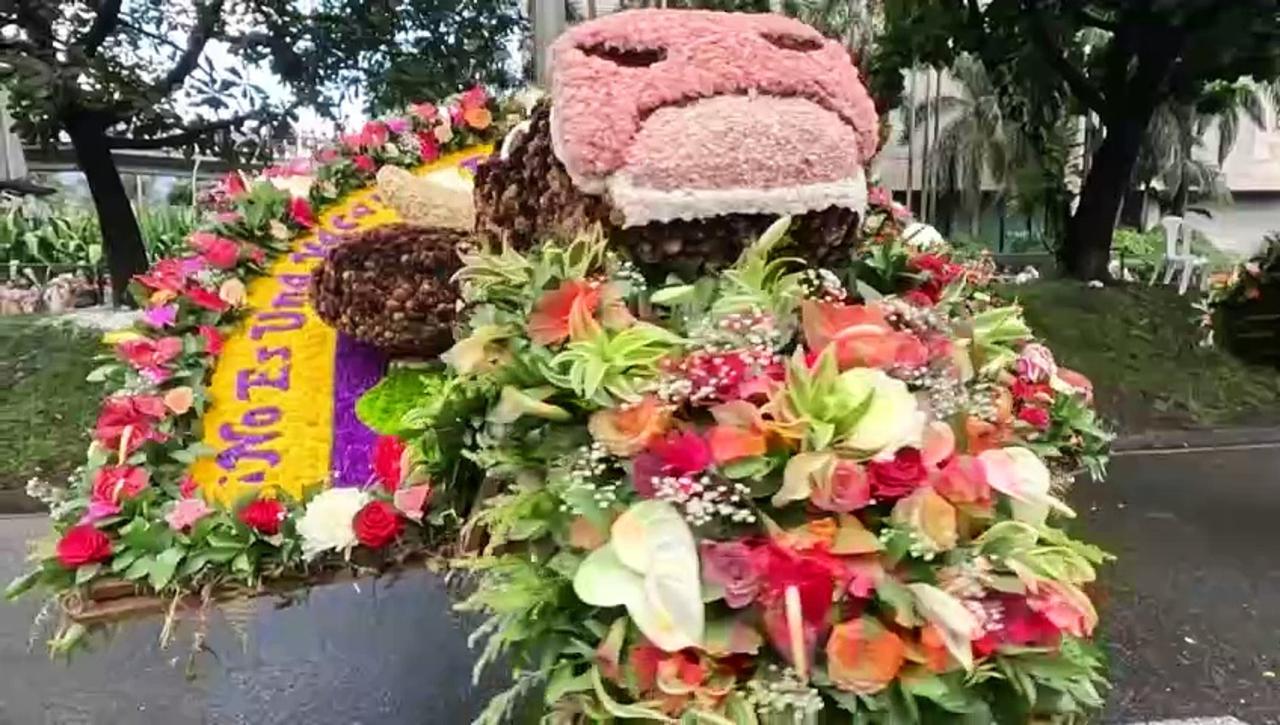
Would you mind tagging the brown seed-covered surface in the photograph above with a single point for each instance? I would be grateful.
(391, 287)
(529, 196)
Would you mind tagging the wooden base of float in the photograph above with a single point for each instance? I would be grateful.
(113, 601)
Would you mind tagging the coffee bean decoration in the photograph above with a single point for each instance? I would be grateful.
(390, 286)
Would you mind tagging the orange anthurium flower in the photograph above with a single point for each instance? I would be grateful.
(729, 443)
(626, 431)
(555, 311)
(861, 334)
(740, 432)
(863, 657)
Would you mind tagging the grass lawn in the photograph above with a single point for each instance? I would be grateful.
(1139, 345)
(46, 406)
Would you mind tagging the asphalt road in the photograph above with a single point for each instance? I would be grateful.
(1191, 616)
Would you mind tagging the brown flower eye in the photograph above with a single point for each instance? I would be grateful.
(793, 42)
(627, 57)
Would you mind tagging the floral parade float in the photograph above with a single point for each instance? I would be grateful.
(713, 438)
(1242, 308)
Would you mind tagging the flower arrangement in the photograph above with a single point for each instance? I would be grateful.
(132, 524)
(770, 496)
(1241, 305)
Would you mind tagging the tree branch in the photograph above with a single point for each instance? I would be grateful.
(1053, 52)
(1094, 21)
(207, 17)
(104, 23)
(183, 137)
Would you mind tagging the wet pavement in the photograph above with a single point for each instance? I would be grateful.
(1191, 611)
(1191, 616)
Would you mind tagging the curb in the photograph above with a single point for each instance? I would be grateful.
(18, 502)
(1172, 440)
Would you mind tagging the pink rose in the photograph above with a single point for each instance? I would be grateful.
(397, 125)
(1037, 418)
(730, 564)
(186, 512)
(847, 489)
(1036, 363)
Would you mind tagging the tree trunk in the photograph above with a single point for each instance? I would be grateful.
(1088, 241)
(121, 238)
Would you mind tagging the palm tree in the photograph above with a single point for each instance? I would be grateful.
(973, 142)
(1178, 130)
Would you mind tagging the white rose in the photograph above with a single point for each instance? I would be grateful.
(891, 420)
(326, 524)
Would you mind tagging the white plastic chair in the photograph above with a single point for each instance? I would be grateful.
(1178, 258)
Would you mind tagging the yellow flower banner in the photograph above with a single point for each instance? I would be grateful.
(271, 420)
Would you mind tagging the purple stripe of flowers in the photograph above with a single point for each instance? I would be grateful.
(356, 368)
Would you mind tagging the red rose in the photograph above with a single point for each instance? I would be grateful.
(212, 339)
(113, 484)
(1027, 391)
(377, 524)
(264, 516)
(82, 545)
(365, 163)
(136, 413)
(387, 454)
(1038, 418)
(300, 212)
(428, 146)
(217, 251)
(899, 477)
(918, 298)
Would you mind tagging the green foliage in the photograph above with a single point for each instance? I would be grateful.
(383, 407)
(111, 71)
(42, 378)
(395, 54)
(165, 229)
(34, 231)
(1048, 58)
(1140, 347)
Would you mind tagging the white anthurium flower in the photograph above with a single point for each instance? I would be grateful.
(958, 626)
(326, 525)
(297, 184)
(650, 566)
(892, 419)
(1022, 476)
